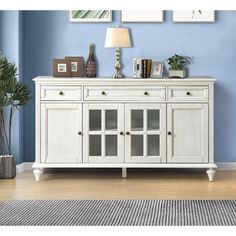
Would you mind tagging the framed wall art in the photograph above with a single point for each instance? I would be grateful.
(90, 16)
(61, 68)
(142, 16)
(157, 69)
(193, 16)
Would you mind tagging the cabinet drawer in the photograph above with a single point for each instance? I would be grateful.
(66, 93)
(188, 93)
(124, 93)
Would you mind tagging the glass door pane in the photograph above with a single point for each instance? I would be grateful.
(111, 145)
(111, 119)
(153, 145)
(136, 120)
(153, 119)
(95, 118)
(137, 145)
(95, 142)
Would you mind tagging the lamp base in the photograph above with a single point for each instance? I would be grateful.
(118, 76)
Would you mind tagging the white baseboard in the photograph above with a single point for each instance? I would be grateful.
(226, 165)
(27, 166)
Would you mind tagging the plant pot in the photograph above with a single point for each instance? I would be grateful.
(177, 73)
(7, 167)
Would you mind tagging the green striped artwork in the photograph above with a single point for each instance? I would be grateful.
(90, 16)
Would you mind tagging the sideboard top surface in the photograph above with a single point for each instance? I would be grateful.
(129, 80)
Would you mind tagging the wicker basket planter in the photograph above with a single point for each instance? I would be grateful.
(7, 167)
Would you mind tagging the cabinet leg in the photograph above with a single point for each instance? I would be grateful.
(211, 173)
(124, 172)
(37, 174)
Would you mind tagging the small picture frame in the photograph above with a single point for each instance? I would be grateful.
(77, 66)
(157, 69)
(61, 68)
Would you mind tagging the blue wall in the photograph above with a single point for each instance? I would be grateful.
(11, 32)
(48, 35)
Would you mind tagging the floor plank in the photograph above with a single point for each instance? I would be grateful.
(108, 184)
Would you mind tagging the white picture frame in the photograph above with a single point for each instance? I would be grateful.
(61, 68)
(157, 69)
(89, 16)
(142, 16)
(193, 16)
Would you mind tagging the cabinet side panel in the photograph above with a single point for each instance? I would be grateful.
(37, 123)
(211, 123)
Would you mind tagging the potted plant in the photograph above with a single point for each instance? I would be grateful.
(177, 65)
(13, 94)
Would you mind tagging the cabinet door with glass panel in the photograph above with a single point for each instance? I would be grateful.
(145, 127)
(103, 133)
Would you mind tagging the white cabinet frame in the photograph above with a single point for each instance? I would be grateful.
(80, 94)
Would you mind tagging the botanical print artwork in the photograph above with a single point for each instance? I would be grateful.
(90, 16)
(142, 16)
(194, 16)
(195, 13)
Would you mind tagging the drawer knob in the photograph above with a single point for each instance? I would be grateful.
(103, 93)
(79, 133)
(145, 93)
(121, 133)
(188, 93)
(127, 133)
(61, 93)
(169, 133)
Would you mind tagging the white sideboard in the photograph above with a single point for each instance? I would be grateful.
(124, 123)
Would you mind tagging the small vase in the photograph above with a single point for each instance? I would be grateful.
(177, 73)
(7, 167)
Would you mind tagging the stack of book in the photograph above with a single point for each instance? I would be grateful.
(142, 68)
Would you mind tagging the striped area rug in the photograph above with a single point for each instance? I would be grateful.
(118, 212)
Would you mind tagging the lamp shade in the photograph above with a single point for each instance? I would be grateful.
(117, 38)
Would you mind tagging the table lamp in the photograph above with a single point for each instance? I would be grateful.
(117, 38)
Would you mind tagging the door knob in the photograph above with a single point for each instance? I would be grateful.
(188, 93)
(61, 93)
(145, 93)
(103, 93)
(121, 133)
(127, 133)
(169, 133)
(79, 133)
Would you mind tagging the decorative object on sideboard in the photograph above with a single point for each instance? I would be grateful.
(193, 16)
(178, 65)
(90, 16)
(91, 68)
(13, 94)
(117, 38)
(157, 69)
(142, 67)
(142, 16)
(62, 68)
(77, 66)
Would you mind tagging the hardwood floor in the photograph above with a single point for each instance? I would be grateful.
(108, 184)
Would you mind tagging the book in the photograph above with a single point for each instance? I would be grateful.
(149, 67)
(142, 67)
(137, 67)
